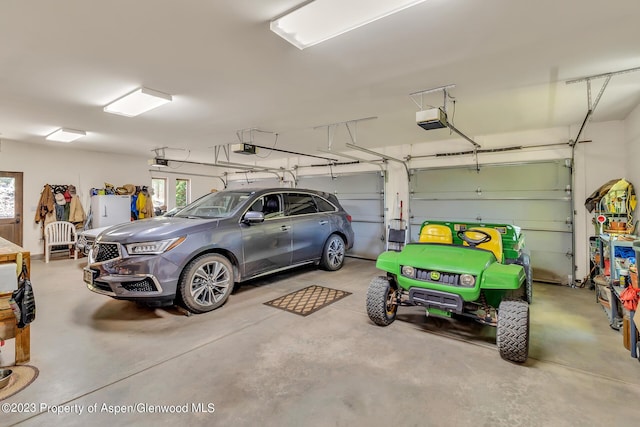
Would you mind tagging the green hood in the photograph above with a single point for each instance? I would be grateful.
(429, 256)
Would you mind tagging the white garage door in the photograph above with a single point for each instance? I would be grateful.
(534, 196)
(362, 196)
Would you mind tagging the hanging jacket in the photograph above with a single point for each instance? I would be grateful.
(49, 218)
(148, 207)
(134, 206)
(45, 204)
(141, 204)
(76, 212)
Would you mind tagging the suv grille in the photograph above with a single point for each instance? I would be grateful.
(107, 251)
(145, 285)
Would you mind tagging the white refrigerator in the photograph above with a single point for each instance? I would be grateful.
(110, 210)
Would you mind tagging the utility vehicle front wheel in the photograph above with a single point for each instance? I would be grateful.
(381, 301)
(512, 335)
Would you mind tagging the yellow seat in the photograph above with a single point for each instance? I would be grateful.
(494, 245)
(435, 233)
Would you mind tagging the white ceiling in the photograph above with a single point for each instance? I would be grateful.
(62, 61)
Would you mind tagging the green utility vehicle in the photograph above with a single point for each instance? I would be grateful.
(468, 269)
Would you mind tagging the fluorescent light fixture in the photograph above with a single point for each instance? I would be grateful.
(66, 135)
(137, 102)
(321, 20)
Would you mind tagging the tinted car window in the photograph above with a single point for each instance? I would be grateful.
(300, 204)
(272, 206)
(216, 205)
(323, 205)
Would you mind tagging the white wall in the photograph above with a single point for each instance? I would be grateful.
(65, 164)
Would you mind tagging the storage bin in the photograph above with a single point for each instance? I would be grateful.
(8, 277)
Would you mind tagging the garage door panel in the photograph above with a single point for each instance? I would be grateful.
(535, 214)
(526, 176)
(363, 209)
(534, 196)
(369, 243)
(550, 250)
(361, 195)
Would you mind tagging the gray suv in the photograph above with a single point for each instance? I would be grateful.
(195, 257)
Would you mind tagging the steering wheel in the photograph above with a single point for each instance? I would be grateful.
(462, 234)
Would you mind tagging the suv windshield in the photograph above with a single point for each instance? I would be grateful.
(215, 205)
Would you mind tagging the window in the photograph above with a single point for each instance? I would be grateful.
(216, 205)
(272, 206)
(159, 197)
(183, 192)
(323, 205)
(300, 204)
(7, 194)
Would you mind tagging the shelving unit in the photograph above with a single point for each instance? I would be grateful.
(9, 252)
(607, 244)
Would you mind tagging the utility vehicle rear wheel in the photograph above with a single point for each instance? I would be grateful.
(381, 301)
(526, 264)
(512, 335)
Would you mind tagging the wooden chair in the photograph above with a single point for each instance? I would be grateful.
(59, 233)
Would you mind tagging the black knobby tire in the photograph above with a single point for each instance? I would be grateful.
(512, 335)
(206, 283)
(526, 263)
(333, 253)
(381, 306)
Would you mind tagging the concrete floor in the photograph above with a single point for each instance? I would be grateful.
(257, 365)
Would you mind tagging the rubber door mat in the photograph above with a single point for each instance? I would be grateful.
(308, 300)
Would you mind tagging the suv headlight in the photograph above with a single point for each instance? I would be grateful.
(153, 248)
(467, 280)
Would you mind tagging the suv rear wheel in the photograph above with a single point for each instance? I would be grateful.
(333, 253)
(206, 283)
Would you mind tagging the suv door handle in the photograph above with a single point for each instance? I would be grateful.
(323, 222)
(285, 227)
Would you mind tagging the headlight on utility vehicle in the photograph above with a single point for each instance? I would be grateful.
(408, 271)
(467, 280)
(154, 248)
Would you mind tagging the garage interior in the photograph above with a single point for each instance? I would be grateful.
(543, 108)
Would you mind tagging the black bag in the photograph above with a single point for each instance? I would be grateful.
(24, 298)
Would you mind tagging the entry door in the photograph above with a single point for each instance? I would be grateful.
(11, 206)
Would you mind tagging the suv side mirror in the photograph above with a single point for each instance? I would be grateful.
(253, 217)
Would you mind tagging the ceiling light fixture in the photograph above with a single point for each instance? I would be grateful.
(322, 20)
(137, 102)
(66, 135)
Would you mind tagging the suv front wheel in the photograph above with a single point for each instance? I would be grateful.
(206, 283)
